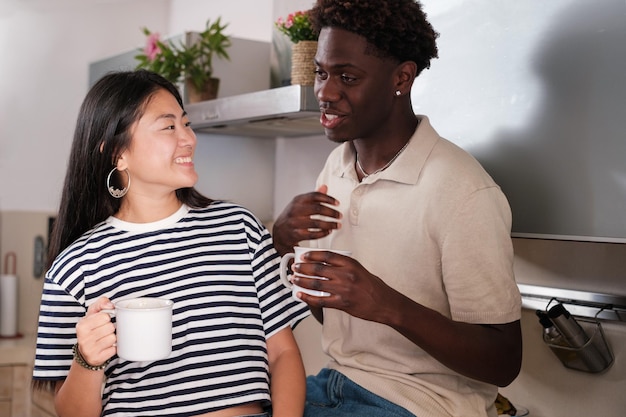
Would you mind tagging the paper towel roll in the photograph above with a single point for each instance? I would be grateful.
(8, 305)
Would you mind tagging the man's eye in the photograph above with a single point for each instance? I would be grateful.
(347, 78)
(320, 74)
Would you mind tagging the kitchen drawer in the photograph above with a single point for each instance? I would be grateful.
(5, 408)
(39, 412)
(15, 391)
(6, 383)
(43, 403)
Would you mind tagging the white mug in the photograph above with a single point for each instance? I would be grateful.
(298, 252)
(143, 327)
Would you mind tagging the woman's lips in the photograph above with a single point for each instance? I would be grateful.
(184, 160)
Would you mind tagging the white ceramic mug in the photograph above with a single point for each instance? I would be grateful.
(298, 252)
(143, 327)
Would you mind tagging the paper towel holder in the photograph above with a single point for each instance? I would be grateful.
(8, 256)
(8, 324)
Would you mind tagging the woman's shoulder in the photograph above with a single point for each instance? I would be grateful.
(220, 207)
(83, 247)
(229, 217)
(224, 211)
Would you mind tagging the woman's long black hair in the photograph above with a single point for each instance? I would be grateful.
(102, 134)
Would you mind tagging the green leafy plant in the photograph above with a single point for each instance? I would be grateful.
(297, 27)
(186, 61)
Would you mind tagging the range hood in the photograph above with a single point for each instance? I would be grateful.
(278, 112)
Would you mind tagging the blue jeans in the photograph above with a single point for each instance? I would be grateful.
(330, 393)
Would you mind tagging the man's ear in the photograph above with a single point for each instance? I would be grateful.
(405, 75)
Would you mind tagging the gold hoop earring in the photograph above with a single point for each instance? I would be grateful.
(117, 193)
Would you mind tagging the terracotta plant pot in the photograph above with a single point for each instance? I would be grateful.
(209, 92)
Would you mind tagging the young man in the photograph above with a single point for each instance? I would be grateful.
(424, 318)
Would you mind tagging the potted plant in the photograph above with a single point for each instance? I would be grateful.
(298, 29)
(189, 61)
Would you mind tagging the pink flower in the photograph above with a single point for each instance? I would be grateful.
(297, 27)
(152, 48)
(289, 22)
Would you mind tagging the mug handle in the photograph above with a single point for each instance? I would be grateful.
(284, 263)
(109, 311)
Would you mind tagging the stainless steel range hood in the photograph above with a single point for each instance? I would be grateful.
(283, 111)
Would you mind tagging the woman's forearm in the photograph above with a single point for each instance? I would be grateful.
(288, 384)
(80, 394)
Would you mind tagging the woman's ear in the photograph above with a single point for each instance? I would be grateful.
(121, 163)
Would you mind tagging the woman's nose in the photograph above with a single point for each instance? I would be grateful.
(188, 137)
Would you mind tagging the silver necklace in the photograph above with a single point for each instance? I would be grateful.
(365, 174)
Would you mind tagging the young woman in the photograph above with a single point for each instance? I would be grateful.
(130, 224)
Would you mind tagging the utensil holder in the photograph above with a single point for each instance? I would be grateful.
(594, 356)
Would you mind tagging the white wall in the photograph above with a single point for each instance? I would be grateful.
(248, 19)
(46, 46)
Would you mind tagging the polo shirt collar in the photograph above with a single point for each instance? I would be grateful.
(407, 167)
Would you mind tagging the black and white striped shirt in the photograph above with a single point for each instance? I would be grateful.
(219, 267)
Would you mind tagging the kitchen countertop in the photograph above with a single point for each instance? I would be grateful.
(17, 351)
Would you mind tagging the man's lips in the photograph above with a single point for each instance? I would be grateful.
(330, 120)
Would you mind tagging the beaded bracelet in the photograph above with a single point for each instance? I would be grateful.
(82, 362)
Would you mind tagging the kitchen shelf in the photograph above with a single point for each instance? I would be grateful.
(580, 303)
(288, 111)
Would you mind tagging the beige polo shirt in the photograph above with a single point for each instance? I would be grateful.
(435, 227)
